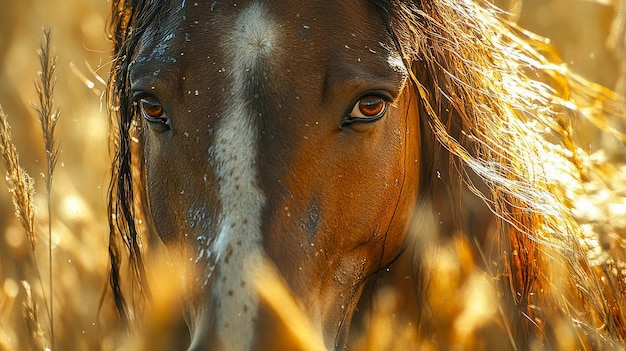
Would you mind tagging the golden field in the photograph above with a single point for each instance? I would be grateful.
(79, 235)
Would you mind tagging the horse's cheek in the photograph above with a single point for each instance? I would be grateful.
(406, 189)
(159, 190)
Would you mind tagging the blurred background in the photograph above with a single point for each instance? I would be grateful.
(589, 36)
(79, 236)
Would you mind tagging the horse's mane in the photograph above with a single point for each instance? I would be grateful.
(129, 19)
(505, 113)
(502, 111)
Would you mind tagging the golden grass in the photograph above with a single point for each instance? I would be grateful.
(465, 301)
(78, 228)
(19, 183)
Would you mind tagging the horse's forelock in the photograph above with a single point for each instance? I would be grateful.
(128, 22)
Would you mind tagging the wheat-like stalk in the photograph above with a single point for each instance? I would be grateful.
(21, 185)
(32, 319)
(48, 117)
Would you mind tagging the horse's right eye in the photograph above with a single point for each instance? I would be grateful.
(151, 107)
(152, 110)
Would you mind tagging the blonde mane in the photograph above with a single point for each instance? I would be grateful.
(501, 107)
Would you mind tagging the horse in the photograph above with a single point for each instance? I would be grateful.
(302, 143)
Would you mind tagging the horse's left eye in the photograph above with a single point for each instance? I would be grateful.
(368, 109)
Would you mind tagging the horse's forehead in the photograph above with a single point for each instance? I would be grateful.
(336, 46)
(204, 24)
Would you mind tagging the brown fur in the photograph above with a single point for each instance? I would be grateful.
(499, 117)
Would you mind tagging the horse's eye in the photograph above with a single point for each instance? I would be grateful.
(152, 110)
(369, 108)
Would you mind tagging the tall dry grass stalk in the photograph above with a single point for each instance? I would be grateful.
(36, 340)
(275, 293)
(48, 117)
(21, 187)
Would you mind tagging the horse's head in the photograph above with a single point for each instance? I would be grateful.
(274, 135)
(281, 139)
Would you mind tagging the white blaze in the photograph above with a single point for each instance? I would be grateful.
(239, 242)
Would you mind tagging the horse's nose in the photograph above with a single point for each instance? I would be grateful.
(279, 322)
(204, 334)
(202, 348)
(225, 315)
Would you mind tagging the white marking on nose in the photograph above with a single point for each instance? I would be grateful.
(239, 242)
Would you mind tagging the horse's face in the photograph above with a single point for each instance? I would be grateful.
(275, 133)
